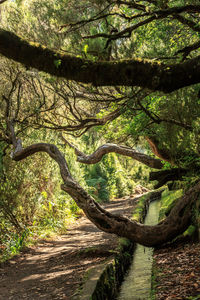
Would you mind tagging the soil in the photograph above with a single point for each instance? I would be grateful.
(177, 269)
(54, 269)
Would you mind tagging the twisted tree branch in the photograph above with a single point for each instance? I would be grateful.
(175, 223)
(126, 151)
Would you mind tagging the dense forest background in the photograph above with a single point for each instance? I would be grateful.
(69, 114)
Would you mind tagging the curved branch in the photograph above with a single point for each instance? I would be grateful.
(152, 75)
(2, 1)
(174, 224)
(126, 151)
(162, 153)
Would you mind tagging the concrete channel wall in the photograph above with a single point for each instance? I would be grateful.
(103, 282)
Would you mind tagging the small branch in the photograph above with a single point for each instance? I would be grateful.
(77, 151)
(156, 119)
(188, 49)
(155, 15)
(13, 138)
(121, 34)
(84, 124)
(149, 114)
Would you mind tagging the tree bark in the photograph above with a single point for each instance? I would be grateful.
(161, 153)
(96, 156)
(167, 175)
(147, 74)
(177, 221)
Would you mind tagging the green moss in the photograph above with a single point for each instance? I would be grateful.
(168, 200)
(190, 231)
(139, 211)
(124, 242)
(140, 207)
(194, 229)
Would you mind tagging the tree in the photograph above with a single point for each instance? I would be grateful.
(127, 90)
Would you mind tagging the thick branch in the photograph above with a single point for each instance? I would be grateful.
(126, 151)
(162, 153)
(167, 175)
(2, 1)
(175, 223)
(151, 75)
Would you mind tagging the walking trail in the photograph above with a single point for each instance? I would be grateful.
(55, 268)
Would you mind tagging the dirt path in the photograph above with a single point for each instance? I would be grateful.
(54, 269)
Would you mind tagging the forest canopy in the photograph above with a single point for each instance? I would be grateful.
(81, 80)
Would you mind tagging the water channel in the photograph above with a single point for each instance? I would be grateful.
(137, 283)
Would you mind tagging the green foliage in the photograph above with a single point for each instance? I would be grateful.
(99, 190)
(30, 198)
(193, 297)
(109, 178)
(190, 231)
(1, 159)
(12, 243)
(57, 62)
(168, 201)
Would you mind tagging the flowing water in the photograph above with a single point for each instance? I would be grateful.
(137, 283)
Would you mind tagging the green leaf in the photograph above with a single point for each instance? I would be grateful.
(57, 62)
(85, 49)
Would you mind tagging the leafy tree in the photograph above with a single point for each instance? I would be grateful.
(131, 68)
